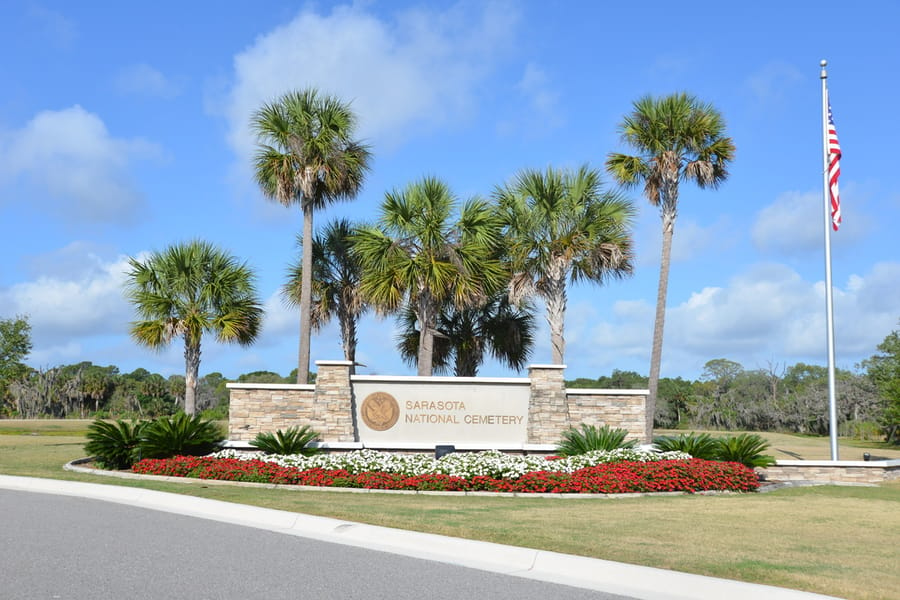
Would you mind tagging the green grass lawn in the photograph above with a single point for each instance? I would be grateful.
(839, 541)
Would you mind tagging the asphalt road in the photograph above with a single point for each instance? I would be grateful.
(82, 549)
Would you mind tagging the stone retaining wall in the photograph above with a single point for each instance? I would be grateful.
(827, 471)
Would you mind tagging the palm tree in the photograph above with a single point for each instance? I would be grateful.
(186, 290)
(561, 225)
(307, 156)
(419, 257)
(677, 138)
(465, 334)
(335, 284)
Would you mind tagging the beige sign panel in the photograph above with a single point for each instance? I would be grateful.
(407, 411)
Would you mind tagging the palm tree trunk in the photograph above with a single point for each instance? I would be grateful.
(466, 363)
(191, 375)
(348, 338)
(305, 295)
(659, 324)
(427, 316)
(556, 316)
(469, 348)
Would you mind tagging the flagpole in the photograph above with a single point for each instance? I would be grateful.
(829, 296)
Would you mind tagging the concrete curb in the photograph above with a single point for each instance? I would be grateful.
(645, 583)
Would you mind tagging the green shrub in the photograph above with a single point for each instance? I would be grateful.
(179, 435)
(293, 441)
(861, 430)
(580, 441)
(698, 445)
(746, 448)
(114, 445)
(219, 413)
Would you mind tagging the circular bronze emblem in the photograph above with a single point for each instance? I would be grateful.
(380, 411)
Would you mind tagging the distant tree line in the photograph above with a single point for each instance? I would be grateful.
(726, 396)
(85, 390)
(776, 398)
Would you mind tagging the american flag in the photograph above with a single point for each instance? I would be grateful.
(834, 170)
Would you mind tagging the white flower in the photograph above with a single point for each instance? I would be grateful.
(467, 465)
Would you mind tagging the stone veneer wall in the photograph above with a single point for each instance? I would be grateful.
(623, 409)
(328, 406)
(553, 408)
(268, 407)
(833, 471)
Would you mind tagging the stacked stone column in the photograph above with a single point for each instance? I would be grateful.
(333, 404)
(548, 410)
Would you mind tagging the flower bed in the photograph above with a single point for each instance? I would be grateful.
(458, 464)
(609, 473)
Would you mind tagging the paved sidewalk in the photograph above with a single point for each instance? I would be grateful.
(633, 581)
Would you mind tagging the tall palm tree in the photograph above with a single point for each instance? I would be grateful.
(335, 284)
(186, 290)
(677, 138)
(464, 335)
(419, 256)
(307, 156)
(562, 226)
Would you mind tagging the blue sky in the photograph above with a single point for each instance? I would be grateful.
(124, 129)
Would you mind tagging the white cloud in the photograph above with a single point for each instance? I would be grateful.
(66, 309)
(48, 356)
(80, 170)
(145, 80)
(279, 320)
(867, 310)
(771, 83)
(627, 334)
(754, 307)
(54, 27)
(541, 112)
(78, 260)
(792, 224)
(417, 72)
(690, 239)
(768, 312)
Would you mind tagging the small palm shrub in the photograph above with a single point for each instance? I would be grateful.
(746, 448)
(698, 445)
(179, 435)
(293, 441)
(114, 445)
(590, 437)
